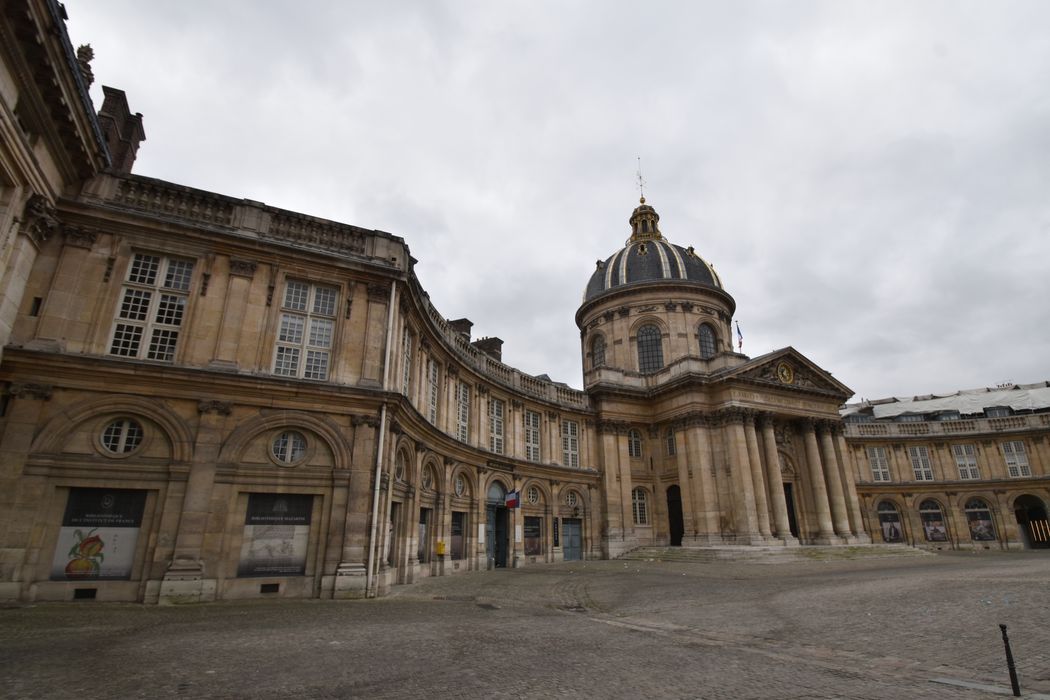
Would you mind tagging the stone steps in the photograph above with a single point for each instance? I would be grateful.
(761, 554)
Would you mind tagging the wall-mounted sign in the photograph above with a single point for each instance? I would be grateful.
(100, 531)
(276, 535)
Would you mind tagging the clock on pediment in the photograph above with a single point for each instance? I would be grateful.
(785, 374)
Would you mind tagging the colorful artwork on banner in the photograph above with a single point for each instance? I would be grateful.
(99, 534)
(981, 529)
(935, 530)
(276, 535)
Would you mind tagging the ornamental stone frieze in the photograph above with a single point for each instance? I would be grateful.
(222, 408)
(79, 237)
(39, 219)
(378, 291)
(623, 311)
(614, 427)
(687, 306)
(608, 316)
(670, 306)
(243, 268)
(28, 390)
(369, 420)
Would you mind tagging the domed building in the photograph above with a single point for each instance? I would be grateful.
(700, 444)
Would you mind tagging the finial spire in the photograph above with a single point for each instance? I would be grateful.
(641, 182)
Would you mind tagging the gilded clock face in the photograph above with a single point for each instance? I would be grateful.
(785, 374)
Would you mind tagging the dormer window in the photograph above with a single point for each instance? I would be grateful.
(998, 411)
(911, 418)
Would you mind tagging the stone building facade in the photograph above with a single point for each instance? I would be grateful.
(209, 398)
(968, 470)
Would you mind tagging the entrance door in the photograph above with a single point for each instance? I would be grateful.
(789, 498)
(572, 539)
(674, 515)
(1031, 517)
(496, 535)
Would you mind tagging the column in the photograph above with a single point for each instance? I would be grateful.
(705, 500)
(834, 481)
(775, 480)
(61, 319)
(818, 490)
(184, 580)
(686, 476)
(849, 472)
(757, 477)
(238, 284)
(39, 222)
(350, 574)
(745, 519)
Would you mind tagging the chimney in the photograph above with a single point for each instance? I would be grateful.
(461, 326)
(493, 347)
(122, 130)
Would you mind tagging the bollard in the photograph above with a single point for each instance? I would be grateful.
(1010, 664)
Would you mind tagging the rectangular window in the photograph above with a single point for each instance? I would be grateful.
(570, 443)
(306, 331)
(880, 466)
(496, 412)
(406, 362)
(966, 460)
(532, 436)
(457, 533)
(432, 391)
(1016, 459)
(920, 463)
(672, 446)
(152, 308)
(463, 412)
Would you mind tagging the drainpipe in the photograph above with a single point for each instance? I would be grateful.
(372, 563)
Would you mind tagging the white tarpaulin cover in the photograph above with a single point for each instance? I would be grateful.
(1027, 397)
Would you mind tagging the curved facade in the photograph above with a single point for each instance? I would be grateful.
(207, 398)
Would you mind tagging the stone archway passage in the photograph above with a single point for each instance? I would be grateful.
(674, 515)
(1032, 521)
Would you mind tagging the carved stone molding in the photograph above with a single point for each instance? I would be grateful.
(28, 390)
(79, 237)
(39, 221)
(243, 268)
(623, 311)
(552, 415)
(687, 306)
(396, 428)
(613, 427)
(515, 404)
(670, 306)
(369, 420)
(378, 291)
(222, 408)
(449, 461)
(608, 316)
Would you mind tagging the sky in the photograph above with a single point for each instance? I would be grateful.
(871, 180)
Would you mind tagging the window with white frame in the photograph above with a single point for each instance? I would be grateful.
(432, 391)
(640, 506)
(463, 412)
(966, 460)
(122, 436)
(920, 463)
(880, 466)
(672, 445)
(406, 362)
(634, 443)
(532, 436)
(152, 307)
(1016, 459)
(497, 409)
(570, 443)
(304, 338)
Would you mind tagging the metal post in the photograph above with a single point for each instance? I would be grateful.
(1010, 664)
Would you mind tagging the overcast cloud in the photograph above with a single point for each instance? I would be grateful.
(869, 179)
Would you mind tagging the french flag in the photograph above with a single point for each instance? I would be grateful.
(740, 337)
(512, 499)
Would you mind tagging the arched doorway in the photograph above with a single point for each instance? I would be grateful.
(674, 515)
(890, 523)
(496, 528)
(1030, 512)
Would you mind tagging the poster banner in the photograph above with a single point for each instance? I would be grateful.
(276, 535)
(891, 528)
(934, 528)
(99, 534)
(981, 528)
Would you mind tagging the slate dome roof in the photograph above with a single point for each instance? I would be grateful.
(649, 257)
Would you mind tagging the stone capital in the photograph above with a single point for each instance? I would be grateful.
(39, 219)
(222, 408)
(378, 291)
(27, 390)
(79, 237)
(243, 268)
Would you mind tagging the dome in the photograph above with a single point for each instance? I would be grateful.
(649, 257)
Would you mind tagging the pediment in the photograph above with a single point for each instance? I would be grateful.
(788, 369)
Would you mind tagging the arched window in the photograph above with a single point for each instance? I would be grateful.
(979, 517)
(122, 436)
(288, 447)
(672, 446)
(650, 349)
(933, 521)
(598, 351)
(706, 334)
(634, 443)
(640, 506)
(497, 493)
(890, 522)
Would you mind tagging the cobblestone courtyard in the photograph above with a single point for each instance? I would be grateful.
(900, 627)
